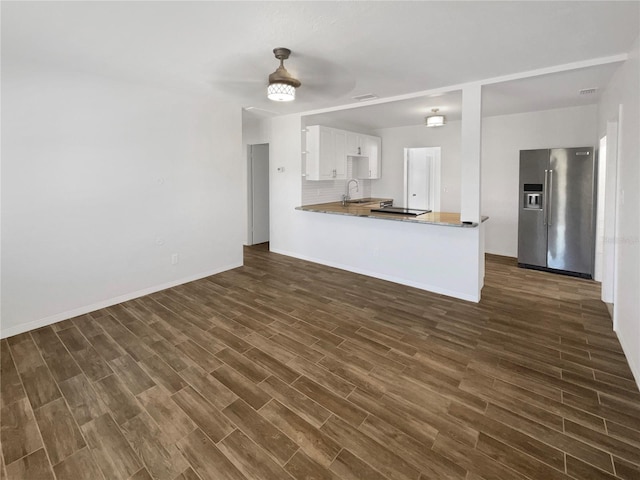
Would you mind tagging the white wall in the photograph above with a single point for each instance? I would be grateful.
(103, 181)
(502, 139)
(395, 140)
(623, 90)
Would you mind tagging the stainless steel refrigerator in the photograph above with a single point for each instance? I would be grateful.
(556, 223)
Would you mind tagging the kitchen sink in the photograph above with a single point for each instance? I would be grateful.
(360, 200)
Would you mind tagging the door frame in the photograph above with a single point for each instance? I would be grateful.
(435, 177)
(251, 192)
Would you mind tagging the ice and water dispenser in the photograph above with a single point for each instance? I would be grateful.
(533, 196)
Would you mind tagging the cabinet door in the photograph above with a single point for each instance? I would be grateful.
(312, 157)
(353, 142)
(340, 154)
(327, 154)
(374, 145)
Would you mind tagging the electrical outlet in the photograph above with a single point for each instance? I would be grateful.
(174, 259)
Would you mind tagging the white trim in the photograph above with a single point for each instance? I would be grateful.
(58, 317)
(381, 276)
(635, 369)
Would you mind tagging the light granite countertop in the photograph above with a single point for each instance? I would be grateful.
(449, 219)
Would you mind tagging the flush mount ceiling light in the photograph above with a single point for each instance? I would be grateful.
(434, 120)
(282, 86)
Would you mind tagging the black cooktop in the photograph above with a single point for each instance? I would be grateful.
(400, 211)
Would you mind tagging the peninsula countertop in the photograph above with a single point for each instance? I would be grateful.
(449, 219)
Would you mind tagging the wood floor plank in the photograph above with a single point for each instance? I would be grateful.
(130, 373)
(605, 442)
(84, 402)
(322, 376)
(500, 431)
(416, 453)
(208, 386)
(25, 353)
(10, 385)
(252, 461)
(79, 465)
(34, 466)
(163, 463)
(349, 467)
(40, 386)
(60, 362)
(59, 430)
(241, 386)
(112, 453)
(161, 373)
(173, 422)
(261, 431)
(272, 365)
(564, 443)
(19, 431)
(380, 457)
(332, 402)
(206, 459)
(84, 354)
(242, 365)
(304, 406)
(201, 357)
(208, 418)
(118, 398)
(302, 467)
(311, 441)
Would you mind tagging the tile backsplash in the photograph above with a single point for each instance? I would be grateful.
(324, 191)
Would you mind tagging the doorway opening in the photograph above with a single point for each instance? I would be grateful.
(422, 178)
(258, 189)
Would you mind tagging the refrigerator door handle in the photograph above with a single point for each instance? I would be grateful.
(549, 217)
(545, 203)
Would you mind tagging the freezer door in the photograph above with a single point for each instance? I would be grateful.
(532, 232)
(570, 217)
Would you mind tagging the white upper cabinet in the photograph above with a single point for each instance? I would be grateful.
(326, 158)
(327, 150)
(369, 164)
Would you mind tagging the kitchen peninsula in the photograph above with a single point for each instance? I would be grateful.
(420, 251)
(365, 208)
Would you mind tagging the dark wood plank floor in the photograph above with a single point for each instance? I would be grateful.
(284, 369)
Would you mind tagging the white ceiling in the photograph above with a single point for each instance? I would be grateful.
(544, 92)
(340, 49)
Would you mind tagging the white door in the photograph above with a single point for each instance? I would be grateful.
(259, 173)
(422, 178)
(418, 180)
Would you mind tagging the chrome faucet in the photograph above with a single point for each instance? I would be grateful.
(346, 197)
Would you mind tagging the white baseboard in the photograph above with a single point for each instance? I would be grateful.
(390, 278)
(58, 317)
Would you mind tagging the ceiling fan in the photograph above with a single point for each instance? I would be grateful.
(282, 85)
(242, 75)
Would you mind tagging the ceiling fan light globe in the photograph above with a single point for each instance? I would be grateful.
(281, 92)
(435, 121)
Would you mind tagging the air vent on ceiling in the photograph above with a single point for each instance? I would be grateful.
(366, 96)
(587, 91)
